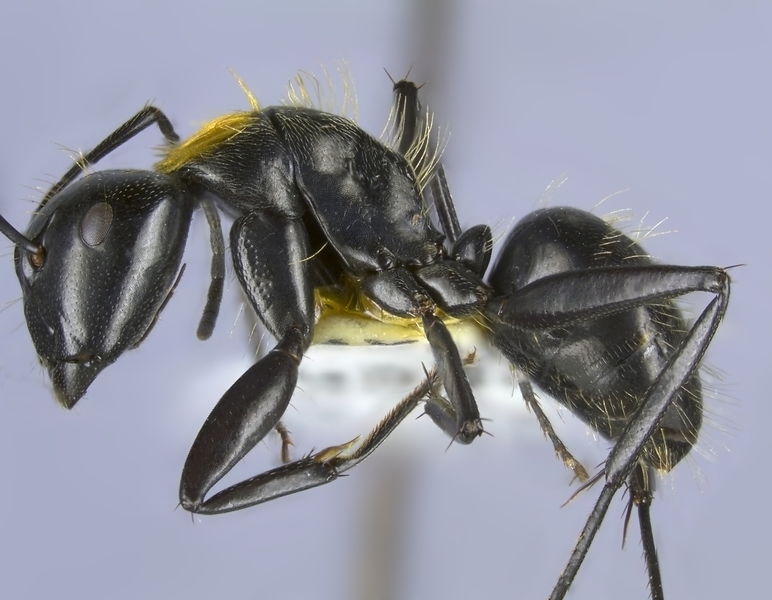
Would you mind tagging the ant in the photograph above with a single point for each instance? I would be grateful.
(331, 223)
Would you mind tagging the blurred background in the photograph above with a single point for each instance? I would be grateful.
(662, 108)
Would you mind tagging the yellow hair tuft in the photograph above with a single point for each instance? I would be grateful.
(212, 134)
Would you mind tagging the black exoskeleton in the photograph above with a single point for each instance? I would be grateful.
(331, 223)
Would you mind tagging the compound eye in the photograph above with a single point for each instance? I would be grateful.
(96, 224)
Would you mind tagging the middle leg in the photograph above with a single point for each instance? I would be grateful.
(268, 252)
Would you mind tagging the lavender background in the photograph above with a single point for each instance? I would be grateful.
(669, 102)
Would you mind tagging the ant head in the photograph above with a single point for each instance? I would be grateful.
(99, 261)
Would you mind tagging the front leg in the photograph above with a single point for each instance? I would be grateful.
(319, 468)
(268, 253)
